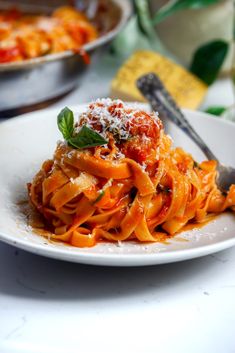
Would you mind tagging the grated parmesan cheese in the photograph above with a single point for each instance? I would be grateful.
(111, 116)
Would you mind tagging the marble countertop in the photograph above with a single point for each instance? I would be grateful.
(49, 306)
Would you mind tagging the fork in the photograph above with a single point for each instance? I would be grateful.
(160, 100)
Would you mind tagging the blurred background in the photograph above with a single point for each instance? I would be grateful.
(188, 43)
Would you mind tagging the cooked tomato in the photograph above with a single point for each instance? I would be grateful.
(9, 54)
(142, 123)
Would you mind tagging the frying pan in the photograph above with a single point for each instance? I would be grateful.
(33, 81)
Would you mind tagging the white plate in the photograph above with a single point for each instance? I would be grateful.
(26, 141)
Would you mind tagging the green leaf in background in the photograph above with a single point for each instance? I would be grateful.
(208, 60)
(176, 5)
(65, 121)
(86, 138)
(129, 39)
(144, 18)
(216, 110)
(138, 35)
(145, 25)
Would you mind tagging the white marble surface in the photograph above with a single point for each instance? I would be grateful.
(51, 306)
(48, 306)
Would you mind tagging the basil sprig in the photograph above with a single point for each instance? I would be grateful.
(85, 138)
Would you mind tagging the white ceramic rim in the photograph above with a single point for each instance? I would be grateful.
(108, 259)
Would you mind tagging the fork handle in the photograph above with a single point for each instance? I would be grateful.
(154, 91)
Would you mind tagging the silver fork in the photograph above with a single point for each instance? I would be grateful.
(160, 100)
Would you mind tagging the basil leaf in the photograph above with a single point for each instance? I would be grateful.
(131, 39)
(65, 122)
(208, 60)
(87, 138)
(216, 110)
(173, 6)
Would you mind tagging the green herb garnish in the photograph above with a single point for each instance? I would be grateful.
(101, 194)
(164, 189)
(208, 60)
(65, 122)
(85, 138)
(196, 165)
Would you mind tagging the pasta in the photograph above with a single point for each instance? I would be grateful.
(133, 187)
(29, 36)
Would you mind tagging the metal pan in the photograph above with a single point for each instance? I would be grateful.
(33, 81)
